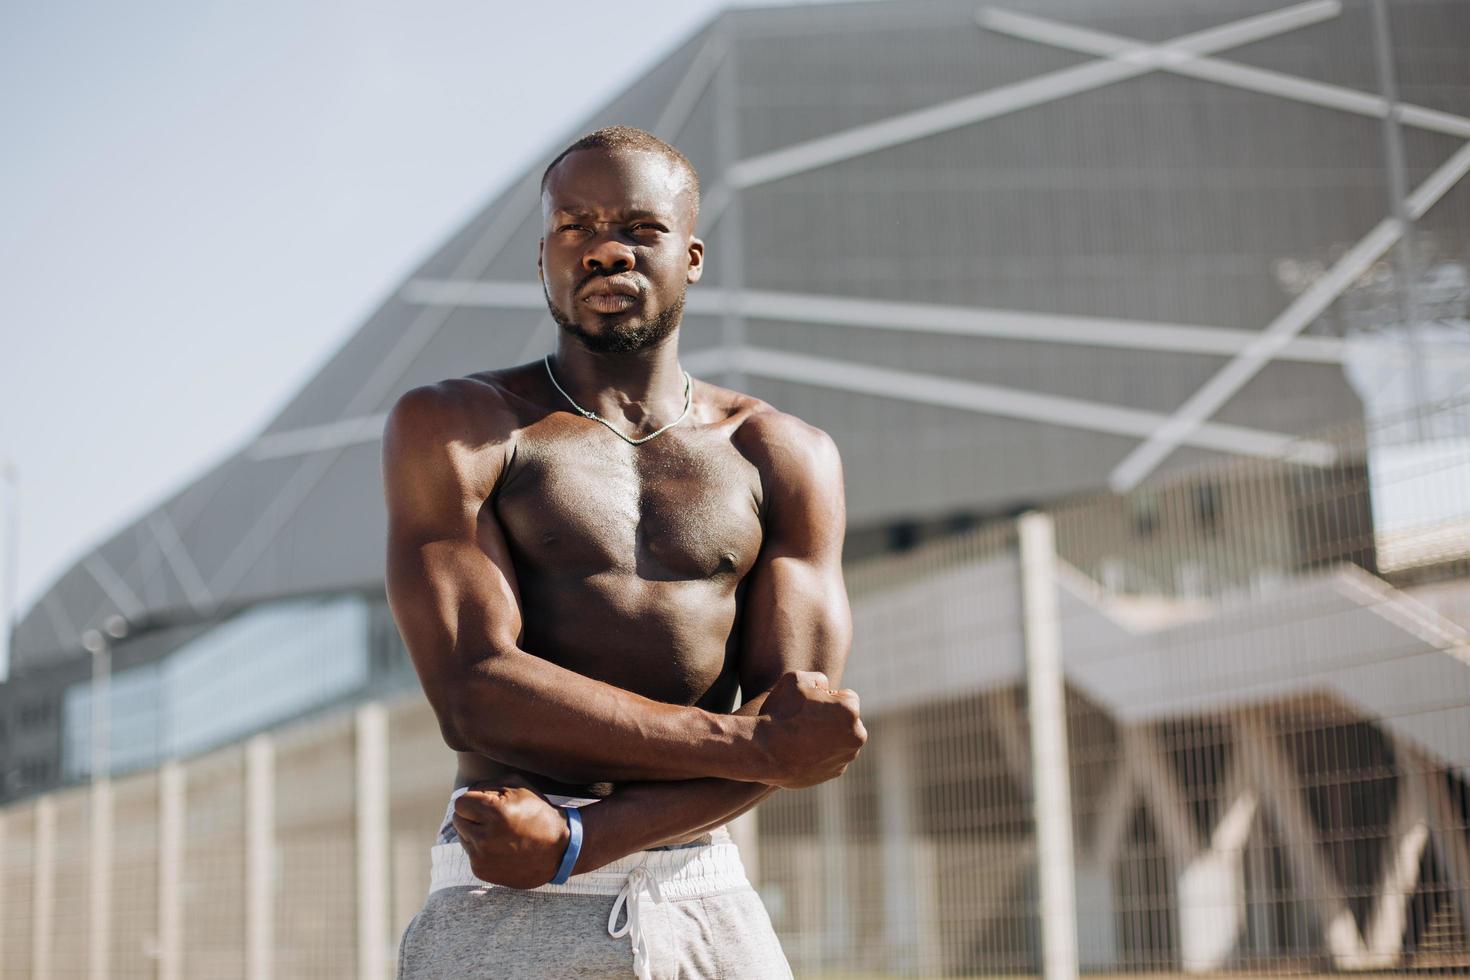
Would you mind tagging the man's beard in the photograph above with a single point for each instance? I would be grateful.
(621, 338)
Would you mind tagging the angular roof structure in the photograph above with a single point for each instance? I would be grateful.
(1002, 252)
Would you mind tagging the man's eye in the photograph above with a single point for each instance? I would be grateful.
(572, 228)
(645, 226)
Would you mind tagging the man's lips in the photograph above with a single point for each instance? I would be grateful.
(610, 295)
(610, 287)
(610, 302)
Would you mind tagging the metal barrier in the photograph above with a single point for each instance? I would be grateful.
(1219, 724)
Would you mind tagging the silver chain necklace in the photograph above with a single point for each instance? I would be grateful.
(688, 400)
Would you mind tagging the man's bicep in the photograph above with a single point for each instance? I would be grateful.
(796, 614)
(453, 606)
(797, 619)
(450, 581)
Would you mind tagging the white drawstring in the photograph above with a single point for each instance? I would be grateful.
(639, 878)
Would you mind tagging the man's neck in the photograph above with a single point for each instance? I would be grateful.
(646, 387)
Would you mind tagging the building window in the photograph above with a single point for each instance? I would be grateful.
(1207, 507)
(268, 664)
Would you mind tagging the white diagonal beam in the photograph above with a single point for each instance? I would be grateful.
(317, 438)
(61, 624)
(1268, 769)
(1305, 309)
(167, 535)
(924, 389)
(122, 596)
(147, 556)
(936, 318)
(1260, 80)
(1408, 835)
(691, 87)
(1088, 331)
(1447, 175)
(712, 204)
(1447, 829)
(928, 389)
(1005, 99)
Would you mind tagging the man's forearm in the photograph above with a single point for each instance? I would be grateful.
(650, 814)
(643, 815)
(532, 714)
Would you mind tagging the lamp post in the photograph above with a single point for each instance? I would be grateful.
(99, 644)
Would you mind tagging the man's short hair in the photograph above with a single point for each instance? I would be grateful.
(629, 138)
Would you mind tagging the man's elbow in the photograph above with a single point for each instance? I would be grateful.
(474, 719)
(481, 729)
(471, 700)
(489, 721)
(507, 743)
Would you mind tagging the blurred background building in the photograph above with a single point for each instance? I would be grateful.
(1186, 281)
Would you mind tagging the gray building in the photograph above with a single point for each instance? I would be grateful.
(1162, 270)
(1005, 255)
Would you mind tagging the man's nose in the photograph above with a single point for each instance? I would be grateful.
(607, 254)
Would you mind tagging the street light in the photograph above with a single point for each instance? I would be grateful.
(99, 644)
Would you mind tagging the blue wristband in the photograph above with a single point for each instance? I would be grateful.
(574, 846)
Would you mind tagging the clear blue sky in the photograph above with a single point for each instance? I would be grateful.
(199, 201)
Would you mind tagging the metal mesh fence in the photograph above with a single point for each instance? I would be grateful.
(18, 900)
(70, 916)
(1260, 705)
(910, 860)
(213, 866)
(135, 878)
(315, 924)
(1278, 654)
(418, 762)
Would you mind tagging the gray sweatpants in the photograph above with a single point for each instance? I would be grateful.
(686, 911)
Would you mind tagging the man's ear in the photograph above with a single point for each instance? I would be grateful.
(696, 260)
(540, 247)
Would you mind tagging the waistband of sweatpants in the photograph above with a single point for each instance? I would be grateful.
(680, 872)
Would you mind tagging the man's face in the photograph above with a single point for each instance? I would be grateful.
(618, 248)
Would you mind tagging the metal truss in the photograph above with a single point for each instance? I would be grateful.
(1117, 59)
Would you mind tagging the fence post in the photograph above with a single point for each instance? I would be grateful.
(1047, 713)
(100, 879)
(260, 848)
(43, 885)
(372, 840)
(909, 923)
(170, 871)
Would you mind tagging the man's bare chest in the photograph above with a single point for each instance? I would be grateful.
(684, 506)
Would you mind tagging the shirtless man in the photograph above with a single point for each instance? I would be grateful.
(587, 557)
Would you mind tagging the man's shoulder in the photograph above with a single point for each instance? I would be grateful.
(800, 472)
(480, 409)
(781, 444)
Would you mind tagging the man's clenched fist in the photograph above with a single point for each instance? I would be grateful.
(809, 732)
(513, 835)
